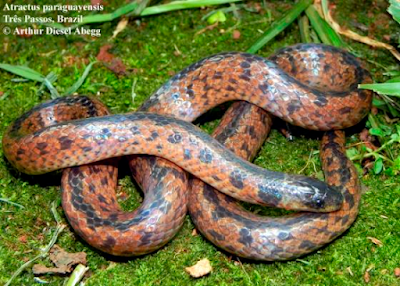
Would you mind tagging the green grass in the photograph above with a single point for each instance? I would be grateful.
(147, 49)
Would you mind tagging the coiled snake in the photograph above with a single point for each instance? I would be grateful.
(312, 86)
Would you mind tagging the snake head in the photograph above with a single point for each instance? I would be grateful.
(322, 197)
(294, 192)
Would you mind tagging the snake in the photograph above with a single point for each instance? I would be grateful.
(309, 85)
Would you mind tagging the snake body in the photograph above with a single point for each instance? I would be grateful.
(328, 102)
(224, 222)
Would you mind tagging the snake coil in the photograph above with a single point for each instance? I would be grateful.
(311, 86)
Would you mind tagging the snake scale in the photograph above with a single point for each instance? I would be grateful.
(308, 85)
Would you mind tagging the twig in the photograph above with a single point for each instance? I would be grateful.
(210, 27)
(304, 26)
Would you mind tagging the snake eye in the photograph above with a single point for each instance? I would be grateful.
(319, 203)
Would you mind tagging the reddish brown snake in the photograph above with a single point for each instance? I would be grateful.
(313, 86)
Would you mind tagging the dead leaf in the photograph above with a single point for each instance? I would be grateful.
(60, 257)
(95, 2)
(114, 64)
(200, 269)
(194, 232)
(64, 262)
(375, 241)
(117, 66)
(120, 27)
(104, 55)
(39, 269)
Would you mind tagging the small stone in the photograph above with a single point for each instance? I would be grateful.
(366, 277)
(397, 272)
(236, 35)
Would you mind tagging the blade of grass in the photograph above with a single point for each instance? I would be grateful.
(11, 203)
(48, 82)
(394, 79)
(388, 88)
(333, 35)
(316, 23)
(280, 25)
(394, 10)
(5, 95)
(31, 74)
(233, 8)
(135, 9)
(393, 110)
(362, 39)
(77, 275)
(51, 77)
(179, 5)
(304, 26)
(19, 80)
(80, 81)
(322, 28)
(23, 71)
(110, 16)
(314, 37)
(139, 9)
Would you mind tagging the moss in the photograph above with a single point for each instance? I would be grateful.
(147, 47)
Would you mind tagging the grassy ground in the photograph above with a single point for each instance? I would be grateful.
(148, 49)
